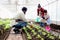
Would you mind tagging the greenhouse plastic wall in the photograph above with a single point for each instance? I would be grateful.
(51, 5)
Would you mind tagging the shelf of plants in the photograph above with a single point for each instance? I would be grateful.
(35, 32)
(4, 28)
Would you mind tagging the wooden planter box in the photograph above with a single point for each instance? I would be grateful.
(5, 35)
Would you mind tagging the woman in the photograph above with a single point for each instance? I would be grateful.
(40, 11)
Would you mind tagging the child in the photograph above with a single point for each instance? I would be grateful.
(46, 17)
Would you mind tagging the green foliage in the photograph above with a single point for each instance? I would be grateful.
(29, 36)
(6, 23)
(38, 32)
(7, 26)
(1, 22)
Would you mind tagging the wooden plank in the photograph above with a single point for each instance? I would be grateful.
(24, 36)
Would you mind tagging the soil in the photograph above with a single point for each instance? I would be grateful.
(55, 27)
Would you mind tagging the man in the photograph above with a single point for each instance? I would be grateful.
(21, 21)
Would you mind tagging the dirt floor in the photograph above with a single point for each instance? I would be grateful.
(13, 36)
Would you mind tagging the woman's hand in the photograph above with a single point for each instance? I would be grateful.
(43, 17)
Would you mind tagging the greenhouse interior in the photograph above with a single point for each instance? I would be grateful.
(29, 20)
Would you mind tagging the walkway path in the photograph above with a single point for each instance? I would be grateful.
(13, 36)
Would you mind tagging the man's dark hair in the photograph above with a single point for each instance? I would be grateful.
(24, 9)
(45, 11)
(39, 5)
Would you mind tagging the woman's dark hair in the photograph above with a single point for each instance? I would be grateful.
(45, 11)
(39, 5)
(24, 9)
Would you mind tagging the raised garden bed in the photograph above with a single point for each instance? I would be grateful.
(5, 35)
(4, 28)
(37, 33)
